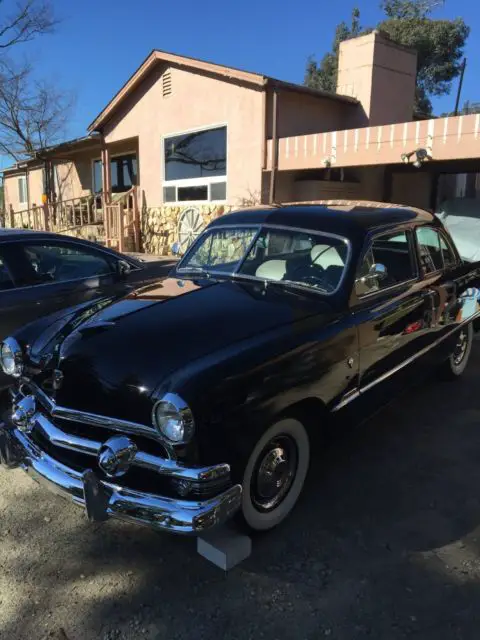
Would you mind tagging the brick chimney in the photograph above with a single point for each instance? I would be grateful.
(381, 75)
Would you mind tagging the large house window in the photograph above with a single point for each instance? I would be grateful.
(22, 190)
(123, 172)
(196, 166)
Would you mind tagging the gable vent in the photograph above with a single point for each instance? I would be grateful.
(167, 83)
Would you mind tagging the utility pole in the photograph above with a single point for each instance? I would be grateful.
(462, 73)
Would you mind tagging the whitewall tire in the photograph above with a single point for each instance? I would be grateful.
(458, 360)
(275, 474)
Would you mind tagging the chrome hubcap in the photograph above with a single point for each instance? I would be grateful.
(460, 348)
(274, 473)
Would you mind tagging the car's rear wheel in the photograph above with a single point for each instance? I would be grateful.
(275, 474)
(457, 362)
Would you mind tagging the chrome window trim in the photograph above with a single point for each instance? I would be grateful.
(389, 289)
(360, 390)
(260, 227)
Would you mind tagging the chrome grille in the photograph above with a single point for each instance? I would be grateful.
(67, 437)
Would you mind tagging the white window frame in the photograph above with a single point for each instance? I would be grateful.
(24, 178)
(194, 182)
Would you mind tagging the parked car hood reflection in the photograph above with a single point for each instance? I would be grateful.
(162, 327)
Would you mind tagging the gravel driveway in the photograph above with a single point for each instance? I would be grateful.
(385, 544)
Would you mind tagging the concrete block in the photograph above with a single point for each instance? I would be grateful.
(224, 547)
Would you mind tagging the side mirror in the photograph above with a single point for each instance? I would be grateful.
(376, 273)
(123, 268)
(176, 248)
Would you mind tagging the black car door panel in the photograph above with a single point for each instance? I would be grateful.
(392, 332)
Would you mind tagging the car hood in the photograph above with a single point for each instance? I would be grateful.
(114, 353)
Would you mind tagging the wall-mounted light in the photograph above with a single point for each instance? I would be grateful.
(406, 157)
(421, 156)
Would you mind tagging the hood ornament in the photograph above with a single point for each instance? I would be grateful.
(23, 415)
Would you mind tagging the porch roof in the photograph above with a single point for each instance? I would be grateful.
(229, 74)
(62, 150)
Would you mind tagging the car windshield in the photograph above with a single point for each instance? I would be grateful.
(290, 256)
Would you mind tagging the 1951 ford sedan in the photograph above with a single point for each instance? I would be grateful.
(199, 397)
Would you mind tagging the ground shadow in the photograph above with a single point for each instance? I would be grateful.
(384, 544)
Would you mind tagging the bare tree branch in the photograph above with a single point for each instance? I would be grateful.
(30, 19)
(33, 115)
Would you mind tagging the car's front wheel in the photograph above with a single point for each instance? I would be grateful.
(457, 362)
(275, 474)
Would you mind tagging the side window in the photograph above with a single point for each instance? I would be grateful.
(387, 262)
(431, 257)
(6, 281)
(63, 262)
(22, 190)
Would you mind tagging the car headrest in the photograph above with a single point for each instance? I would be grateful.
(325, 256)
(272, 269)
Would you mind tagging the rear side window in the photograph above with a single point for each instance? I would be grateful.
(449, 258)
(430, 249)
(6, 281)
(63, 262)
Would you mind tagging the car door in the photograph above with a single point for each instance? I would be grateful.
(454, 285)
(393, 312)
(53, 274)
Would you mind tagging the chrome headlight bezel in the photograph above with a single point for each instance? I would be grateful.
(170, 408)
(11, 351)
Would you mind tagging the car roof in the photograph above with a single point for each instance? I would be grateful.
(339, 217)
(7, 234)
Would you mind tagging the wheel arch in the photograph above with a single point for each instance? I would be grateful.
(312, 413)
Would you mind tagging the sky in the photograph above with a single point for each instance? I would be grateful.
(98, 44)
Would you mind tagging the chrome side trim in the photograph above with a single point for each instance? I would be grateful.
(162, 466)
(403, 364)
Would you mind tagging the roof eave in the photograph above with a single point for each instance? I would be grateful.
(316, 93)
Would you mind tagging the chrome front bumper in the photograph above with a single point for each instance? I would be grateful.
(102, 500)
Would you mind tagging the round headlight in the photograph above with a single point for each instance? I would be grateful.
(173, 419)
(11, 357)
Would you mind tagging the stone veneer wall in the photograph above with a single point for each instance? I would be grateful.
(160, 224)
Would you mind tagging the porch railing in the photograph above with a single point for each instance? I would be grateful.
(77, 212)
(122, 222)
(120, 218)
(63, 215)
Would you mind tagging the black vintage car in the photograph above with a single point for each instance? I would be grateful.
(200, 396)
(43, 272)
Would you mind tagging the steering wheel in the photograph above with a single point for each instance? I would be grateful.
(314, 275)
(318, 282)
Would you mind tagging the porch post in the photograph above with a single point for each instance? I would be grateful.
(106, 173)
(273, 168)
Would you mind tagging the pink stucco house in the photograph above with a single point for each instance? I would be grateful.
(185, 140)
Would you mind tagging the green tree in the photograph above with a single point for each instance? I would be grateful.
(323, 75)
(439, 45)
